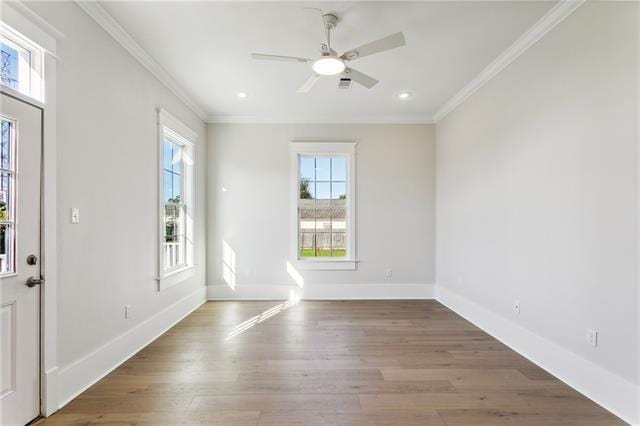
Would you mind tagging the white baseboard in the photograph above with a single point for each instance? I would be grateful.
(49, 400)
(322, 291)
(76, 377)
(611, 391)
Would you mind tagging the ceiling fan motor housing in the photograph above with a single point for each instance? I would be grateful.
(330, 20)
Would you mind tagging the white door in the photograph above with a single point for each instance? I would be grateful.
(20, 147)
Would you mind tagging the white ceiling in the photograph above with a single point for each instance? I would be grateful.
(206, 47)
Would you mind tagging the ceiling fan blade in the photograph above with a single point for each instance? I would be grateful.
(360, 78)
(309, 83)
(262, 56)
(386, 43)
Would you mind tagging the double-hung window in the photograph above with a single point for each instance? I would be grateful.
(176, 198)
(323, 185)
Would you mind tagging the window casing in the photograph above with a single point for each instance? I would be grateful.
(21, 64)
(323, 195)
(176, 199)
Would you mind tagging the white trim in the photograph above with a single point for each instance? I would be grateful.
(638, 234)
(44, 35)
(177, 126)
(545, 24)
(285, 119)
(115, 30)
(176, 277)
(328, 264)
(611, 391)
(75, 378)
(344, 148)
(30, 63)
(385, 291)
(170, 126)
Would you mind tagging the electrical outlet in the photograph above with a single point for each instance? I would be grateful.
(127, 311)
(592, 338)
(388, 273)
(516, 307)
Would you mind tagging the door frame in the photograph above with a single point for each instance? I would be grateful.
(24, 20)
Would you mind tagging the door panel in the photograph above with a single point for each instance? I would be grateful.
(20, 150)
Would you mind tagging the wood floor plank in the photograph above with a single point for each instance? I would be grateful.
(381, 362)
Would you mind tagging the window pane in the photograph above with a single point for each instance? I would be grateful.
(323, 220)
(338, 169)
(177, 189)
(5, 145)
(174, 252)
(6, 197)
(167, 184)
(338, 219)
(176, 160)
(306, 244)
(307, 168)
(167, 154)
(323, 244)
(307, 219)
(323, 192)
(174, 236)
(174, 221)
(338, 191)
(7, 248)
(8, 66)
(338, 244)
(307, 189)
(323, 169)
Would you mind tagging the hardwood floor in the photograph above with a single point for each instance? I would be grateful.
(329, 362)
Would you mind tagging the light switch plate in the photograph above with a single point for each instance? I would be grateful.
(75, 215)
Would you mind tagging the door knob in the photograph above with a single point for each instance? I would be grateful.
(33, 281)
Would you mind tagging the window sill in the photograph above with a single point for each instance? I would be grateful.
(327, 265)
(175, 277)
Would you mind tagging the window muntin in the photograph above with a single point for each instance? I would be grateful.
(322, 206)
(7, 196)
(175, 209)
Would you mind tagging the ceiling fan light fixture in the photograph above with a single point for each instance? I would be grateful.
(328, 65)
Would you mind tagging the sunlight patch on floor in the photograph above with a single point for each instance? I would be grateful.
(251, 322)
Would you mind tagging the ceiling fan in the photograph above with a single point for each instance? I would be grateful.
(330, 63)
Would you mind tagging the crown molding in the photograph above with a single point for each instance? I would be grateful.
(115, 30)
(545, 24)
(254, 119)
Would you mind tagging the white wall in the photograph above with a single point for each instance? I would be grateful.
(394, 209)
(537, 189)
(107, 167)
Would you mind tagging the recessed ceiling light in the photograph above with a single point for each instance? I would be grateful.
(403, 96)
(242, 95)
